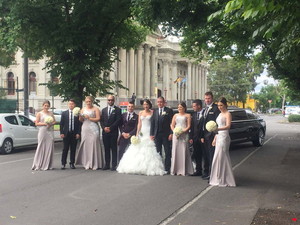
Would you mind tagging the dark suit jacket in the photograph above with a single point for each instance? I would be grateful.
(196, 131)
(129, 126)
(212, 114)
(64, 123)
(162, 122)
(112, 121)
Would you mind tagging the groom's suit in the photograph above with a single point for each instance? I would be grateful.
(209, 113)
(70, 133)
(160, 129)
(127, 126)
(110, 139)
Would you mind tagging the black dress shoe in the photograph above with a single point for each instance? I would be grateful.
(196, 174)
(113, 169)
(72, 166)
(106, 168)
(206, 178)
(168, 172)
(63, 167)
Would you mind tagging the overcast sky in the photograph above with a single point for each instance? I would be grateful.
(262, 79)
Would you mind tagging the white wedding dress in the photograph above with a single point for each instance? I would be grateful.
(142, 158)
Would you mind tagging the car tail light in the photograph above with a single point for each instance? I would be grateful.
(0, 128)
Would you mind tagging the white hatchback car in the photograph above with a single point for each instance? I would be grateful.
(16, 131)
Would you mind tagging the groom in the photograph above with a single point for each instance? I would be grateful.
(128, 128)
(161, 132)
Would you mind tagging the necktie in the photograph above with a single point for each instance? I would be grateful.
(128, 117)
(72, 126)
(198, 115)
(160, 111)
(109, 111)
(206, 111)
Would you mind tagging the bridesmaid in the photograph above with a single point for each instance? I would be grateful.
(89, 153)
(221, 171)
(181, 163)
(44, 153)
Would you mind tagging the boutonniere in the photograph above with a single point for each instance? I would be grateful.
(209, 108)
(164, 113)
(112, 109)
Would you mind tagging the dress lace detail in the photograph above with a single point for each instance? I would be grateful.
(142, 158)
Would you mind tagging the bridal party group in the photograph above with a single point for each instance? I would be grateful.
(155, 141)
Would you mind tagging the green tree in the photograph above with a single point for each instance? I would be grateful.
(233, 79)
(80, 39)
(236, 28)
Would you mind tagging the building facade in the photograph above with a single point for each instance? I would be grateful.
(154, 69)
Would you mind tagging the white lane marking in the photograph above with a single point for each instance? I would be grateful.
(206, 190)
(20, 160)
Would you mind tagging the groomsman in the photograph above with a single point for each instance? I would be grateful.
(128, 128)
(210, 112)
(110, 120)
(196, 133)
(161, 131)
(70, 128)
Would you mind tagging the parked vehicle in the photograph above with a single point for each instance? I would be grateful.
(16, 131)
(245, 126)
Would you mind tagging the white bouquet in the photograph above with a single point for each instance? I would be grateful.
(178, 131)
(49, 119)
(76, 111)
(211, 126)
(134, 140)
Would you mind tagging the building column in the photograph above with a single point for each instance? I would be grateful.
(131, 75)
(140, 77)
(165, 75)
(189, 82)
(174, 88)
(147, 75)
(122, 73)
(153, 73)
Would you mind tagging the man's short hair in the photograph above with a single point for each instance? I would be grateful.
(198, 102)
(131, 102)
(209, 93)
(162, 98)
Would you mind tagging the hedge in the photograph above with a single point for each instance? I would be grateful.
(294, 118)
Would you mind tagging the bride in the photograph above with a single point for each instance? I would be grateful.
(142, 158)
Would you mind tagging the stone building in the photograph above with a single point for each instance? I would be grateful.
(154, 69)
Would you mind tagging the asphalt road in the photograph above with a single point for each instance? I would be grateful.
(267, 178)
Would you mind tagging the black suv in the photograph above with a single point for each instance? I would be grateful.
(245, 126)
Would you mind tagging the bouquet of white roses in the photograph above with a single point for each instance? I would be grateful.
(134, 140)
(178, 131)
(76, 111)
(211, 126)
(49, 119)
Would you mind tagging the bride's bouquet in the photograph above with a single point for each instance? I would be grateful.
(211, 126)
(49, 120)
(76, 111)
(135, 140)
(178, 131)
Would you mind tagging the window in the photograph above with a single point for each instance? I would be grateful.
(32, 82)
(25, 121)
(239, 115)
(251, 116)
(10, 83)
(12, 120)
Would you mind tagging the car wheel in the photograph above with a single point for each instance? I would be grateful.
(259, 139)
(7, 146)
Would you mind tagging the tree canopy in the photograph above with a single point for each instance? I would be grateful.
(233, 79)
(80, 39)
(237, 28)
